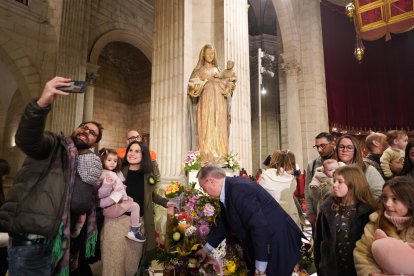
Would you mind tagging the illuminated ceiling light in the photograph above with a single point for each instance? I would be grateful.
(350, 10)
(359, 49)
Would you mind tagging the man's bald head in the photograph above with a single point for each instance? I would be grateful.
(133, 135)
(376, 143)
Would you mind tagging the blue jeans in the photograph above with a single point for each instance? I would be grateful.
(30, 260)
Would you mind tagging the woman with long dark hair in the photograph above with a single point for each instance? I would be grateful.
(121, 256)
(348, 150)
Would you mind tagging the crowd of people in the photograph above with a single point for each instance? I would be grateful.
(363, 196)
(51, 209)
(360, 207)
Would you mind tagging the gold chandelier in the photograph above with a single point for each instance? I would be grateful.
(374, 19)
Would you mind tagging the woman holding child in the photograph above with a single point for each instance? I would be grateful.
(208, 112)
(121, 256)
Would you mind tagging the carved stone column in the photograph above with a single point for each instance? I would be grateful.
(71, 62)
(91, 75)
(236, 48)
(168, 95)
(291, 68)
(181, 28)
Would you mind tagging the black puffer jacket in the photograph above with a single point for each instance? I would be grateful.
(36, 200)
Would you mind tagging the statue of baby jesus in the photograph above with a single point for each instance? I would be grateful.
(230, 76)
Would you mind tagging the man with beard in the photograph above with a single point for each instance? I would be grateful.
(325, 145)
(48, 190)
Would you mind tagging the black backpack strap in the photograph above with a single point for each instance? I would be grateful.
(313, 167)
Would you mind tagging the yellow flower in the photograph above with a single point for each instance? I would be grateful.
(194, 214)
(230, 268)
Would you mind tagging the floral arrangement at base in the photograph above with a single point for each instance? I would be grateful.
(187, 232)
(173, 190)
(192, 161)
(306, 265)
(231, 161)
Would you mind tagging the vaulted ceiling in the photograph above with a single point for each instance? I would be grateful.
(262, 17)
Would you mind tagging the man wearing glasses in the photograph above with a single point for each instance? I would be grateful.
(133, 135)
(41, 205)
(325, 145)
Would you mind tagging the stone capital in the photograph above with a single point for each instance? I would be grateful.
(289, 65)
(92, 74)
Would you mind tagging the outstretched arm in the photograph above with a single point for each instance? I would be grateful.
(30, 136)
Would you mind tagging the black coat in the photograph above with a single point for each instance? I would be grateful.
(265, 231)
(325, 236)
(36, 200)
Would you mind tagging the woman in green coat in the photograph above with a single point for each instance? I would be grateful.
(121, 256)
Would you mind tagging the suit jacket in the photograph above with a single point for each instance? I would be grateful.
(265, 231)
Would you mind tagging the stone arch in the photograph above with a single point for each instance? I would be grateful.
(21, 66)
(288, 27)
(139, 42)
(10, 151)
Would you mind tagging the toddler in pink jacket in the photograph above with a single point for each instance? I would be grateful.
(112, 194)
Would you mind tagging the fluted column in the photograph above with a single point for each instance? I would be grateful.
(91, 75)
(236, 47)
(71, 62)
(181, 28)
(168, 95)
(291, 69)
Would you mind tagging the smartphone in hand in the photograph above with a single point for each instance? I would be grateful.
(74, 87)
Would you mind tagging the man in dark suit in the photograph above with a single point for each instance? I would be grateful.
(270, 238)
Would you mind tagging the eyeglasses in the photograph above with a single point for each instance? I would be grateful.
(321, 146)
(91, 131)
(135, 137)
(346, 148)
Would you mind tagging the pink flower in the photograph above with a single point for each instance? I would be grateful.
(208, 210)
(204, 230)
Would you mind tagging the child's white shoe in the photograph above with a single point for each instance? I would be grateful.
(135, 234)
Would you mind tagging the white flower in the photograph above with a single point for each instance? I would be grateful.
(190, 230)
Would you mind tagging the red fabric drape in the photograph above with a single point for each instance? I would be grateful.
(377, 94)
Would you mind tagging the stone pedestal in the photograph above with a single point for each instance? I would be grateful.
(231, 173)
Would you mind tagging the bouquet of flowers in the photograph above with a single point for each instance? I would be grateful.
(192, 161)
(232, 161)
(306, 261)
(174, 190)
(187, 232)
